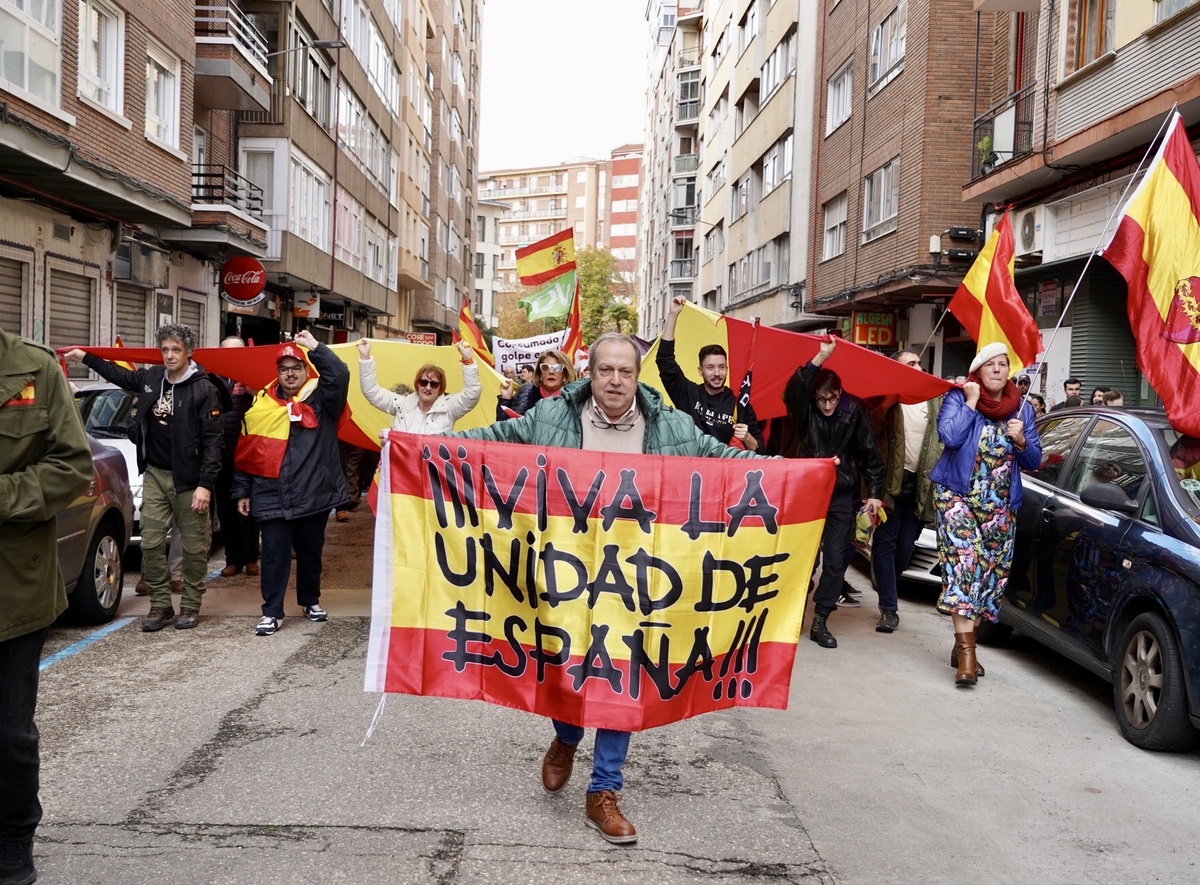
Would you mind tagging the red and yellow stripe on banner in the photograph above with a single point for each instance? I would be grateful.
(1156, 248)
(605, 590)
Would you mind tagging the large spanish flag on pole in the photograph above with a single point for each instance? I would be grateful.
(542, 261)
(1156, 247)
(989, 306)
(605, 590)
(469, 332)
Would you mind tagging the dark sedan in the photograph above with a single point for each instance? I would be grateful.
(1106, 568)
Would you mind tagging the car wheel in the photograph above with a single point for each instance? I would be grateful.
(98, 591)
(1148, 689)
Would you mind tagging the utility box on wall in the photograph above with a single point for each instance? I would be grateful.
(142, 265)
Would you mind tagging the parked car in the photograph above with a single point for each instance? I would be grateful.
(105, 408)
(923, 567)
(93, 533)
(1106, 564)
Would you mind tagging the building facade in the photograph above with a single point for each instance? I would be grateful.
(487, 260)
(1070, 98)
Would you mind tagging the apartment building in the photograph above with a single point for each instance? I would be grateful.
(487, 260)
(582, 194)
(726, 192)
(1070, 98)
(453, 57)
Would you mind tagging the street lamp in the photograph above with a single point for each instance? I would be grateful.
(316, 44)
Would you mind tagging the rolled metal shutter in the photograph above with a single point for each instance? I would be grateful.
(11, 288)
(131, 316)
(72, 308)
(191, 314)
(1103, 353)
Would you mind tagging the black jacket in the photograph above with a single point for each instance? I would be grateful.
(196, 443)
(845, 434)
(311, 478)
(527, 396)
(713, 413)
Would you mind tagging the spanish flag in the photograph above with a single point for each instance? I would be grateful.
(606, 590)
(542, 261)
(267, 427)
(574, 326)
(122, 363)
(469, 332)
(989, 306)
(1156, 247)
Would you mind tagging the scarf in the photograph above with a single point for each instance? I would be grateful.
(548, 394)
(1001, 409)
(267, 426)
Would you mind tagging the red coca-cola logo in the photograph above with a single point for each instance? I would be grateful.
(243, 279)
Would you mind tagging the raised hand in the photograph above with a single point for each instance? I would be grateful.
(364, 348)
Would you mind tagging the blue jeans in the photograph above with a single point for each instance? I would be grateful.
(892, 549)
(607, 758)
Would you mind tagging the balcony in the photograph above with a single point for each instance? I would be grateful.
(1003, 133)
(549, 212)
(685, 217)
(682, 269)
(687, 113)
(428, 314)
(685, 163)
(227, 214)
(231, 61)
(688, 58)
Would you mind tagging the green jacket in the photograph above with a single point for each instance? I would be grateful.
(557, 422)
(931, 450)
(45, 464)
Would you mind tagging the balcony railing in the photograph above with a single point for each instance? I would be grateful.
(1003, 132)
(498, 192)
(685, 163)
(548, 212)
(685, 217)
(231, 22)
(682, 268)
(688, 58)
(217, 185)
(687, 111)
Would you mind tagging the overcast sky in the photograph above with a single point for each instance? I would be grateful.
(560, 79)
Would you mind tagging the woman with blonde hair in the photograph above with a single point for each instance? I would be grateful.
(990, 436)
(430, 409)
(552, 373)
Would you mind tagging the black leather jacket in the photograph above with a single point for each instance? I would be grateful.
(846, 434)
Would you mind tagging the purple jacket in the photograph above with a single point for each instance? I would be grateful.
(960, 429)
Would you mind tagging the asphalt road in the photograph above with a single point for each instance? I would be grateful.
(214, 756)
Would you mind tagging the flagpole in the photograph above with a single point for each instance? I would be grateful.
(1104, 234)
(921, 355)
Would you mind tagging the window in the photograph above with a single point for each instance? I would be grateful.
(748, 27)
(1057, 439)
(835, 227)
(777, 164)
(881, 201)
(1094, 30)
(778, 66)
(619, 181)
(101, 54)
(29, 48)
(1164, 9)
(1109, 454)
(309, 206)
(162, 97)
(839, 97)
(310, 78)
(623, 230)
(887, 46)
(741, 197)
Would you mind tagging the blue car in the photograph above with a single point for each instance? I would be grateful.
(1106, 566)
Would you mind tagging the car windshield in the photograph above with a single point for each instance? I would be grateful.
(104, 412)
(1185, 458)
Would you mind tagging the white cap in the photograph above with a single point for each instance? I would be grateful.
(986, 353)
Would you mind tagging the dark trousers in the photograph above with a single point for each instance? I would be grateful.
(835, 540)
(280, 537)
(238, 533)
(892, 548)
(20, 810)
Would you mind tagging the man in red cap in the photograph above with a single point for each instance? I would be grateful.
(289, 473)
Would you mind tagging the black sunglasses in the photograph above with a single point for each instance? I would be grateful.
(426, 382)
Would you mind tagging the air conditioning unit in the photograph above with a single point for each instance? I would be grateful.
(143, 265)
(1029, 227)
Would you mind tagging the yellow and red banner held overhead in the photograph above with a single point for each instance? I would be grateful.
(989, 306)
(1156, 248)
(542, 261)
(469, 332)
(605, 590)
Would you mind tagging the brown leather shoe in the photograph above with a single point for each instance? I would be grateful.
(252, 569)
(342, 516)
(604, 815)
(964, 644)
(157, 619)
(142, 588)
(979, 671)
(230, 570)
(557, 765)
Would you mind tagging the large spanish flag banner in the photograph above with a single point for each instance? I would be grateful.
(605, 590)
(989, 306)
(1156, 247)
(542, 261)
(469, 332)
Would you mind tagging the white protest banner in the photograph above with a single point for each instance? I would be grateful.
(515, 351)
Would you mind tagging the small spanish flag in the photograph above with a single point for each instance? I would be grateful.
(24, 397)
(546, 259)
(469, 332)
(124, 365)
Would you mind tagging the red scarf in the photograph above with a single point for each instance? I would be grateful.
(997, 409)
(547, 394)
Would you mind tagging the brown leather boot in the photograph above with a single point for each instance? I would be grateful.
(979, 671)
(964, 644)
(604, 815)
(557, 765)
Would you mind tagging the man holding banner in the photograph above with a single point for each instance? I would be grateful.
(611, 412)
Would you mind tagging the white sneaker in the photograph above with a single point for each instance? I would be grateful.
(315, 613)
(267, 626)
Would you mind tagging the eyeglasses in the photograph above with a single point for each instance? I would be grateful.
(552, 368)
(828, 400)
(291, 370)
(428, 382)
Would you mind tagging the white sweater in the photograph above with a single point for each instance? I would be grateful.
(442, 414)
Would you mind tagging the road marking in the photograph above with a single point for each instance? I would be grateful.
(83, 643)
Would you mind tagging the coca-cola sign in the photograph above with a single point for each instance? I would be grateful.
(243, 280)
